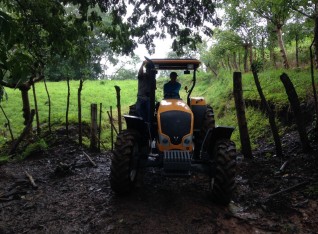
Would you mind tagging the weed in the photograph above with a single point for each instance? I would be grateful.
(33, 148)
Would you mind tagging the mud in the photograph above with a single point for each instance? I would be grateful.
(73, 196)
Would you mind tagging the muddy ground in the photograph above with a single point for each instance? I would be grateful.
(73, 196)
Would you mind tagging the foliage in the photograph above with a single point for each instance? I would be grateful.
(34, 148)
(4, 159)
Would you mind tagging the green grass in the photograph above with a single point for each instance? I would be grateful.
(217, 91)
(93, 92)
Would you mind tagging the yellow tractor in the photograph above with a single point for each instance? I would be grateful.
(180, 138)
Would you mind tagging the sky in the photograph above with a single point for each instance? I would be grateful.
(163, 47)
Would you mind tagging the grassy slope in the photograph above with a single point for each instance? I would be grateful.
(217, 91)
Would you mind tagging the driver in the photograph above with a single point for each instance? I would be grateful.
(172, 88)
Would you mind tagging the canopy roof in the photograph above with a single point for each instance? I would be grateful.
(175, 64)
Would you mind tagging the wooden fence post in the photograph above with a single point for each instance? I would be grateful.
(271, 116)
(112, 128)
(118, 107)
(295, 104)
(240, 114)
(79, 113)
(93, 144)
(100, 125)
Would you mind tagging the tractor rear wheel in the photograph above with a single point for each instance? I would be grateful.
(208, 122)
(222, 182)
(124, 163)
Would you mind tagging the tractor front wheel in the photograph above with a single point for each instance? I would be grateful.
(124, 163)
(222, 181)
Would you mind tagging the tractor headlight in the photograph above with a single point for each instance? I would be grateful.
(187, 141)
(164, 140)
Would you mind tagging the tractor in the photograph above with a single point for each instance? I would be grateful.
(180, 139)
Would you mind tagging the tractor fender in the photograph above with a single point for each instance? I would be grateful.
(136, 123)
(215, 134)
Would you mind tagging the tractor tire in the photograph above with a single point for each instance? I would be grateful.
(124, 163)
(208, 121)
(222, 182)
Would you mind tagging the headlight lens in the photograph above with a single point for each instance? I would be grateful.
(187, 141)
(164, 140)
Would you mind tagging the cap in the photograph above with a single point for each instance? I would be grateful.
(173, 74)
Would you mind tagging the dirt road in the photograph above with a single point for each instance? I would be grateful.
(73, 196)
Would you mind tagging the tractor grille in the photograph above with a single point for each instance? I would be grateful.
(176, 160)
(175, 124)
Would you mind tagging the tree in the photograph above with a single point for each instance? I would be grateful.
(276, 12)
(296, 32)
(309, 9)
(223, 52)
(241, 20)
(37, 30)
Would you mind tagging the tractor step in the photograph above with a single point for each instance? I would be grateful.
(176, 162)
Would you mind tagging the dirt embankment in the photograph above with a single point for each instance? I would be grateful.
(73, 196)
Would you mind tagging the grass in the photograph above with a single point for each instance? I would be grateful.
(217, 91)
(93, 92)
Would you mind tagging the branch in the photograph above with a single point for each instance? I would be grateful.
(37, 79)
(90, 159)
(31, 179)
(288, 189)
(302, 13)
(6, 84)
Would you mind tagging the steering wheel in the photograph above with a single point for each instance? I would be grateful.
(171, 95)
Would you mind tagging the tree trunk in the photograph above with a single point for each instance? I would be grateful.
(223, 65)
(229, 63)
(297, 51)
(281, 46)
(295, 104)
(250, 49)
(316, 34)
(235, 62)
(240, 61)
(212, 69)
(273, 57)
(25, 132)
(26, 103)
(245, 58)
(49, 104)
(38, 129)
(270, 114)
(263, 49)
